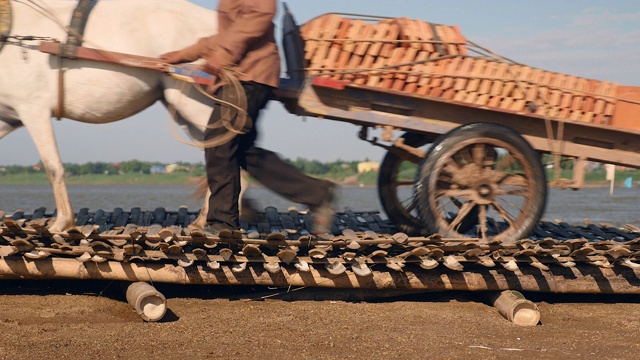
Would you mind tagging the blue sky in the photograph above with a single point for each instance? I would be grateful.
(594, 39)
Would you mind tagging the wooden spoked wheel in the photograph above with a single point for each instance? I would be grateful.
(395, 180)
(485, 171)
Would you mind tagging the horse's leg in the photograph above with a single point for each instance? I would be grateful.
(201, 221)
(41, 131)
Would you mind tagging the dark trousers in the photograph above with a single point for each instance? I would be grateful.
(224, 162)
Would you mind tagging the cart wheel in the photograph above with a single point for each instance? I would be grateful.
(486, 168)
(395, 179)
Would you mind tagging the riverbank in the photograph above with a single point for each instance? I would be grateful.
(593, 179)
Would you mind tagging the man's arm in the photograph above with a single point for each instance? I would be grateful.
(229, 46)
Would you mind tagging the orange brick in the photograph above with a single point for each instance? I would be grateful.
(463, 73)
(482, 99)
(411, 87)
(461, 95)
(425, 33)
(477, 70)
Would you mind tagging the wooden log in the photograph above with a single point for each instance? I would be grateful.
(579, 279)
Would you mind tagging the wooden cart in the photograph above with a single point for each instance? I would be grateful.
(479, 170)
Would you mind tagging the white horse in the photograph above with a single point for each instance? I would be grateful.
(97, 92)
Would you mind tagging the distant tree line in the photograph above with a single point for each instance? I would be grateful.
(335, 169)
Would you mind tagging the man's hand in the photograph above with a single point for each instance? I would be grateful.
(173, 57)
(208, 68)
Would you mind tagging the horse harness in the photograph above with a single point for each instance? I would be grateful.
(5, 21)
(75, 32)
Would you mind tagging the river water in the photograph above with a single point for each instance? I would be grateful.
(594, 204)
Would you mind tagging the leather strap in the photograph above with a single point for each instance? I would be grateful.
(74, 40)
(5, 21)
(76, 27)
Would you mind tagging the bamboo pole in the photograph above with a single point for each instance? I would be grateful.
(578, 279)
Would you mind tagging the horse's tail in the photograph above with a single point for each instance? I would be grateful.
(200, 187)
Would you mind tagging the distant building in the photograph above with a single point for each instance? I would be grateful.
(368, 166)
(175, 167)
(158, 169)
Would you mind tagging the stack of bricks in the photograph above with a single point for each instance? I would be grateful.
(425, 59)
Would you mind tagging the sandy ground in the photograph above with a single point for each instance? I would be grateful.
(91, 319)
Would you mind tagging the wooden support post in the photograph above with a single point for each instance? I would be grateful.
(513, 306)
(148, 302)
